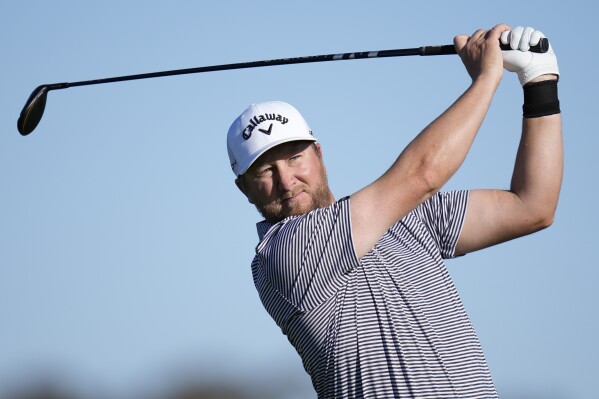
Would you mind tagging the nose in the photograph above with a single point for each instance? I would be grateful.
(286, 178)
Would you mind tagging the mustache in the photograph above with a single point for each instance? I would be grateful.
(290, 194)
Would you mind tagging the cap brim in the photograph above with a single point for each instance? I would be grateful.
(263, 150)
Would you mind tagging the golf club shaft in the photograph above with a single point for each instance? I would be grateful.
(255, 64)
(422, 51)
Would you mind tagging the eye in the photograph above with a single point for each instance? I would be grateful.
(265, 171)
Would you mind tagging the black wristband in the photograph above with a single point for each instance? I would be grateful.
(540, 99)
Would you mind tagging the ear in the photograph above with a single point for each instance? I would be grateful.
(240, 183)
(318, 149)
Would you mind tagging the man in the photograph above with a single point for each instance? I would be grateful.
(358, 285)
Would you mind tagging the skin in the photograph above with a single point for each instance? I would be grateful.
(496, 216)
(291, 179)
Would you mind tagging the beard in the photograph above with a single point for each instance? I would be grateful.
(277, 210)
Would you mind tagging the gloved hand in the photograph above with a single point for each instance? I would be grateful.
(528, 65)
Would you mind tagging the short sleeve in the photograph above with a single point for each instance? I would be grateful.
(444, 214)
(304, 260)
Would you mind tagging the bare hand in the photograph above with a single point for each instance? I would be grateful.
(481, 53)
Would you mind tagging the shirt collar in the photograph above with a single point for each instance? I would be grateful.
(263, 228)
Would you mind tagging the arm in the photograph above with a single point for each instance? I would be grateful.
(437, 152)
(495, 216)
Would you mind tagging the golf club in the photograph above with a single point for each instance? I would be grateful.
(32, 112)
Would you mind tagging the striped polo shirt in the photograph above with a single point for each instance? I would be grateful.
(389, 325)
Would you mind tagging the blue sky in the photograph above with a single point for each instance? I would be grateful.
(125, 246)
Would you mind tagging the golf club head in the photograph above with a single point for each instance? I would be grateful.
(32, 112)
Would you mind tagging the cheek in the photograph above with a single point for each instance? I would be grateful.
(305, 170)
(312, 174)
(263, 190)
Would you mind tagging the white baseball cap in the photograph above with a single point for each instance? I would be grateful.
(261, 127)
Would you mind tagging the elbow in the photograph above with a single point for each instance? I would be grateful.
(542, 219)
(430, 179)
(535, 213)
(547, 219)
(427, 184)
(545, 222)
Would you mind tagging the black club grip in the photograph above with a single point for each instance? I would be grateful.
(541, 47)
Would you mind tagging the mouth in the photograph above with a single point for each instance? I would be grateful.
(292, 198)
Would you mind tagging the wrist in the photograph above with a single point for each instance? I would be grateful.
(543, 78)
(540, 98)
(488, 80)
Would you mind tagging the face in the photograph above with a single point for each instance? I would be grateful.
(289, 179)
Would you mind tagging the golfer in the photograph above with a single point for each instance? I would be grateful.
(358, 284)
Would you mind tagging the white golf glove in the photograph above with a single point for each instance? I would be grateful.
(528, 65)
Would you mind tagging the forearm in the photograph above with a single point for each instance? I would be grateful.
(538, 170)
(439, 150)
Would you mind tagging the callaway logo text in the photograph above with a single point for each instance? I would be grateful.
(256, 120)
